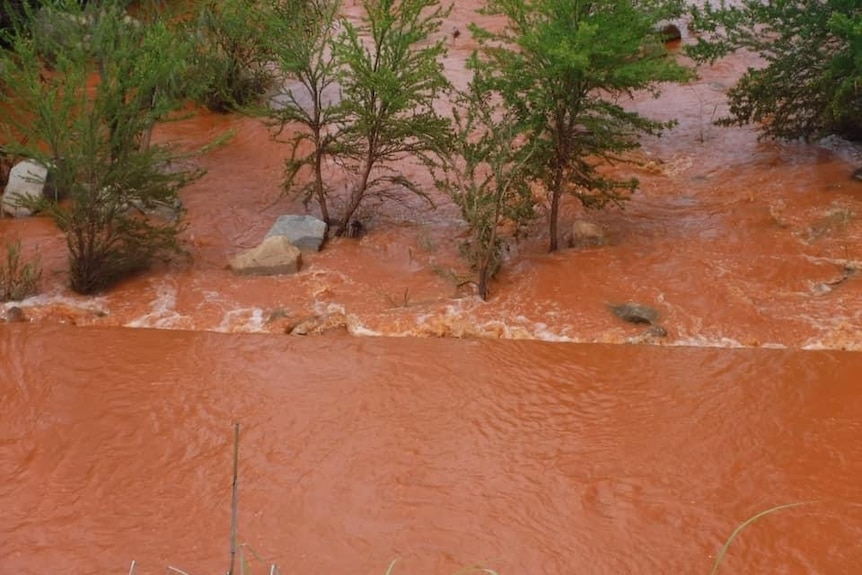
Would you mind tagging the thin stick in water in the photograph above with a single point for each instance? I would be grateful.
(233, 503)
(132, 568)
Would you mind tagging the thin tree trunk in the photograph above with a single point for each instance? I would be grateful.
(485, 267)
(482, 286)
(318, 183)
(357, 195)
(555, 214)
(318, 155)
(233, 503)
(147, 134)
(562, 153)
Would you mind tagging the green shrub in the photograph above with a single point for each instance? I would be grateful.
(232, 52)
(96, 135)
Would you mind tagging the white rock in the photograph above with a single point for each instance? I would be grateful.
(274, 256)
(26, 183)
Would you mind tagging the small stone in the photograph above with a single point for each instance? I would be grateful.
(324, 324)
(635, 313)
(15, 314)
(656, 331)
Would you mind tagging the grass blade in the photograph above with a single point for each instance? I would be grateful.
(741, 527)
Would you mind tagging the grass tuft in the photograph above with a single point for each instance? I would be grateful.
(18, 279)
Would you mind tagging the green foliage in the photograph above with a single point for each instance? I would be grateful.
(561, 67)
(88, 117)
(307, 103)
(17, 278)
(232, 51)
(485, 176)
(11, 14)
(389, 84)
(810, 83)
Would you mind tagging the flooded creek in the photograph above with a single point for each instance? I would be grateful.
(431, 436)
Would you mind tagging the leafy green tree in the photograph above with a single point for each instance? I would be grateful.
(390, 74)
(87, 117)
(232, 51)
(561, 67)
(307, 103)
(485, 175)
(810, 83)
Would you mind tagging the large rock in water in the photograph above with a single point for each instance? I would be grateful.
(26, 184)
(586, 234)
(274, 256)
(305, 232)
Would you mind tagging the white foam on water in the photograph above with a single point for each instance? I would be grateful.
(51, 303)
(162, 314)
(357, 328)
(703, 341)
(95, 305)
(245, 320)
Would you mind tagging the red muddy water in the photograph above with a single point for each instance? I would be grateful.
(523, 457)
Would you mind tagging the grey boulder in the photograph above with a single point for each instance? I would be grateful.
(305, 232)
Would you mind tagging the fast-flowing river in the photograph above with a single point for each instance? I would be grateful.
(524, 457)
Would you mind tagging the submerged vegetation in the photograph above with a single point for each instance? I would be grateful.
(229, 59)
(94, 136)
(542, 118)
(485, 175)
(811, 82)
(554, 76)
(18, 279)
(560, 68)
(388, 74)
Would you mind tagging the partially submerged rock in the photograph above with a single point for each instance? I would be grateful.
(642, 315)
(635, 313)
(669, 31)
(656, 331)
(324, 324)
(857, 175)
(586, 234)
(15, 314)
(274, 256)
(305, 232)
(171, 211)
(26, 185)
